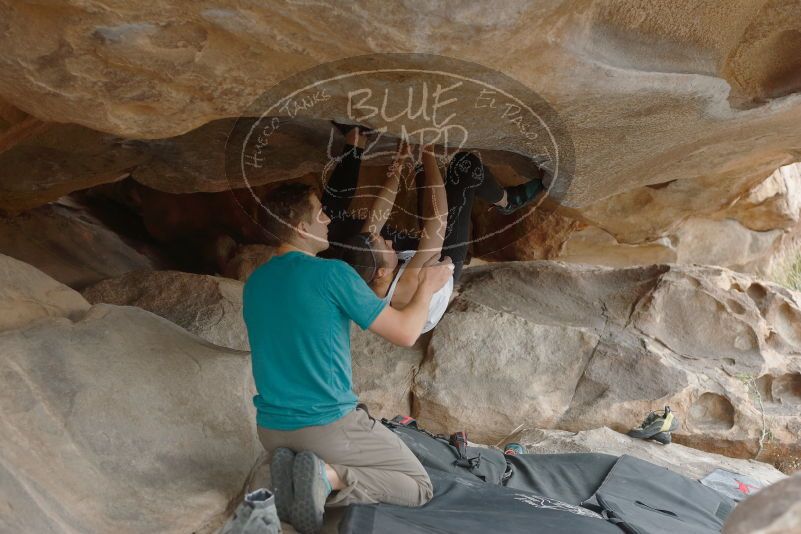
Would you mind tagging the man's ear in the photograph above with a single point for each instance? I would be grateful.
(302, 229)
(307, 222)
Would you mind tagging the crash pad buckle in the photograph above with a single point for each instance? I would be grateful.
(405, 420)
(459, 440)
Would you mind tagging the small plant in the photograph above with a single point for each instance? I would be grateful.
(766, 436)
(787, 271)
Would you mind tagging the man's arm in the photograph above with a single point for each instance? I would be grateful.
(403, 327)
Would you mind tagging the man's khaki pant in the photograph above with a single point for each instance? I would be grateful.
(373, 462)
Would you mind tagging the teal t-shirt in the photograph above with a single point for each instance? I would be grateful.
(298, 310)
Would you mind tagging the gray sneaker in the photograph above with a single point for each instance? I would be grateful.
(311, 492)
(281, 465)
(256, 515)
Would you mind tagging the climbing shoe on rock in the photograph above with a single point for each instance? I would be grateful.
(256, 515)
(281, 466)
(662, 437)
(518, 196)
(311, 490)
(657, 426)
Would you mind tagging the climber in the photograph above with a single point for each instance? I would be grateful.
(373, 256)
(445, 210)
(326, 450)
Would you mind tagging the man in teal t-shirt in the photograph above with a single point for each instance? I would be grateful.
(326, 450)
(306, 379)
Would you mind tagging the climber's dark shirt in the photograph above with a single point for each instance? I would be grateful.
(298, 309)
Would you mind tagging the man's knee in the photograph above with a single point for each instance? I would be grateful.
(409, 489)
(412, 492)
(426, 491)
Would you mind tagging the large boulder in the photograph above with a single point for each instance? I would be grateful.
(246, 259)
(70, 244)
(746, 226)
(774, 510)
(383, 373)
(678, 113)
(207, 306)
(550, 345)
(57, 159)
(27, 294)
(121, 422)
(211, 308)
(176, 61)
(741, 223)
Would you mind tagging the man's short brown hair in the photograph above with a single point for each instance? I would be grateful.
(288, 205)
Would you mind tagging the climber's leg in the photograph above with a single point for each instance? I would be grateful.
(465, 178)
(339, 189)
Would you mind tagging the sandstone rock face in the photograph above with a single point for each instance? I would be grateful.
(675, 111)
(245, 260)
(512, 364)
(208, 306)
(746, 227)
(570, 347)
(189, 63)
(383, 373)
(121, 422)
(678, 458)
(737, 224)
(774, 510)
(551, 345)
(27, 294)
(58, 159)
(70, 245)
(211, 308)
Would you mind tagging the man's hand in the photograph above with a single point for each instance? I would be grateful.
(435, 274)
(403, 327)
